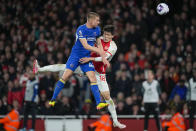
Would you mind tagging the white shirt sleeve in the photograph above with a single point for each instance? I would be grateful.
(110, 52)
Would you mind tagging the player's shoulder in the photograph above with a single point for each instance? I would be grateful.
(113, 44)
(81, 27)
(144, 83)
(98, 29)
(191, 80)
(156, 81)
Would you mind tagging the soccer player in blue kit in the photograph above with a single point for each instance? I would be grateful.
(86, 36)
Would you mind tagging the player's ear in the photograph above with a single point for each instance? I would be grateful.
(112, 36)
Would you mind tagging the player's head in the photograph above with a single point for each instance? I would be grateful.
(150, 75)
(93, 19)
(31, 75)
(108, 33)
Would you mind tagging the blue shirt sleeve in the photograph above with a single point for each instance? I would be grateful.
(80, 33)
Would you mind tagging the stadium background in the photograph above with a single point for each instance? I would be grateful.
(44, 30)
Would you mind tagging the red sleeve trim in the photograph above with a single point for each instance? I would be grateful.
(109, 53)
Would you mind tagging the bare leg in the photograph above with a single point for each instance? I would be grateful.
(52, 68)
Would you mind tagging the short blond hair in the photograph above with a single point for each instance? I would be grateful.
(91, 15)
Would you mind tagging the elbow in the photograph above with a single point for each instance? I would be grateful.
(86, 47)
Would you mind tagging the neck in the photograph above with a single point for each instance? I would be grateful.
(88, 25)
(106, 40)
(150, 81)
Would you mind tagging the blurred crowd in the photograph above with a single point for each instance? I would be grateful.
(45, 30)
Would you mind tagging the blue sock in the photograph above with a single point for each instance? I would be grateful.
(96, 93)
(59, 86)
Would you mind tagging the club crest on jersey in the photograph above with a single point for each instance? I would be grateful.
(106, 48)
(95, 33)
(71, 65)
(91, 65)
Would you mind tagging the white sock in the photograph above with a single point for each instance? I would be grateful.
(112, 109)
(52, 68)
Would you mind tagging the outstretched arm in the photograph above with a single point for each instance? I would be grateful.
(52, 68)
(108, 55)
(4, 120)
(95, 49)
(91, 48)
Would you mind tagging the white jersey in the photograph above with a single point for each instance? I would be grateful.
(192, 89)
(111, 51)
(151, 91)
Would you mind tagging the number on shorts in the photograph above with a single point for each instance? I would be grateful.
(102, 78)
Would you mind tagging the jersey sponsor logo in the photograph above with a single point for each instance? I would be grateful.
(91, 39)
(91, 65)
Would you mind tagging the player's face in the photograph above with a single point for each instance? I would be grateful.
(107, 36)
(150, 76)
(95, 21)
(31, 75)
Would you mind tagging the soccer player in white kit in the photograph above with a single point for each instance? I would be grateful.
(110, 49)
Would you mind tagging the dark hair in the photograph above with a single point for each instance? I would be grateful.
(92, 15)
(109, 28)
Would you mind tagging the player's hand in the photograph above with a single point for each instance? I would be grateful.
(84, 60)
(106, 62)
(102, 53)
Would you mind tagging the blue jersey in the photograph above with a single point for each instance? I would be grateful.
(78, 51)
(90, 34)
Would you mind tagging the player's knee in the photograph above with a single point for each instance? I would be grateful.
(106, 96)
(67, 74)
(92, 78)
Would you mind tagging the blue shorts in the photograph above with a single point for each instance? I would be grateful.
(73, 63)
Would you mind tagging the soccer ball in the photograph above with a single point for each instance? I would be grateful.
(162, 9)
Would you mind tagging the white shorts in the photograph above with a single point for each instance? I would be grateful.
(101, 82)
